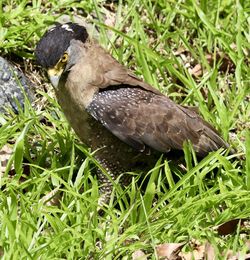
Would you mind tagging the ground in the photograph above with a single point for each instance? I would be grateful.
(198, 54)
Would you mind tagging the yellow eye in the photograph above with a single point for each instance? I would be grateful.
(64, 57)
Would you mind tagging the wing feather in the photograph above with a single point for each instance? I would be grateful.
(155, 121)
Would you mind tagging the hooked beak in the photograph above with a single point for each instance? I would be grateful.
(54, 76)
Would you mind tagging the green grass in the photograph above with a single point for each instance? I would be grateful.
(48, 156)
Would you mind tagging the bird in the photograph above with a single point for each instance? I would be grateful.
(126, 121)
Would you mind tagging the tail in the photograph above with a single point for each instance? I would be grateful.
(210, 140)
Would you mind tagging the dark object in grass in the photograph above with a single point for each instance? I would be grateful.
(125, 120)
(12, 84)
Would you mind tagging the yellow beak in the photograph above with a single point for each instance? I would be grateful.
(54, 76)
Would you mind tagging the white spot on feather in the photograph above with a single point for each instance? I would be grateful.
(67, 27)
(52, 29)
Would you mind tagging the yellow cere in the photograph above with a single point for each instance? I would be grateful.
(59, 67)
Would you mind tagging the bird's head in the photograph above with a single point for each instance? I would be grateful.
(57, 51)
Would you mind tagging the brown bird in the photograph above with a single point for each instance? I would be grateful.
(124, 119)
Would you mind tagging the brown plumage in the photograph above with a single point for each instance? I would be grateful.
(112, 110)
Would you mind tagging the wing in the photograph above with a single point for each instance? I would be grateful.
(140, 115)
(142, 118)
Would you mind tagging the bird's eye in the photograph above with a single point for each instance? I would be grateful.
(64, 57)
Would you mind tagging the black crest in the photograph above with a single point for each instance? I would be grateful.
(56, 41)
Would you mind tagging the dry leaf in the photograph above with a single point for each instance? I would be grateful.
(196, 70)
(248, 244)
(139, 255)
(228, 227)
(52, 198)
(5, 154)
(206, 251)
(230, 256)
(209, 252)
(110, 19)
(169, 250)
(226, 63)
(200, 252)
